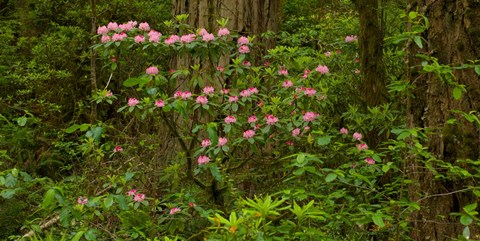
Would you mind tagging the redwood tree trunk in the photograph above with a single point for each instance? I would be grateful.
(246, 16)
(453, 38)
(371, 56)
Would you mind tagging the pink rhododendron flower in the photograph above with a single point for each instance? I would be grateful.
(139, 39)
(344, 131)
(245, 93)
(203, 160)
(188, 38)
(287, 84)
(208, 37)
(220, 68)
(132, 192)
(206, 143)
(362, 147)
(351, 38)
(144, 26)
(244, 49)
(252, 119)
(243, 40)
(112, 26)
(323, 69)
(202, 100)
(208, 90)
(306, 73)
(133, 102)
(246, 63)
(159, 103)
(309, 116)
(139, 197)
(296, 132)
(283, 71)
(82, 200)
(271, 120)
(310, 92)
(260, 104)
(174, 210)
(192, 205)
(253, 90)
(328, 54)
(184, 95)
(106, 38)
(154, 36)
(117, 149)
(248, 134)
(126, 27)
(109, 93)
(357, 136)
(225, 91)
(103, 30)
(230, 119)
(223, 32)
(172, 39)
(152, 70)
(222, 141)
(203, 32)
(233, 98)
(119, 37)
(306, 128)
(369, 161)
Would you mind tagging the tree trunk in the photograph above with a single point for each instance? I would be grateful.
(371, 56)
(246, 16)
(453, 39)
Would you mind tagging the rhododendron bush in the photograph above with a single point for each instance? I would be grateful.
(244, 145)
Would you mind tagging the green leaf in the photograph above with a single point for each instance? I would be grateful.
(78, 236)
(215, 172)
(412, 15)
(324, 140)
(90, 234)
(470, 207)
(108, 202)
(122, 203)
(10, 181)
(22, 121)
(48, 198)
(466, 220)
(9, 193)
(97, 133)
(418, 41)
(65, 217)
(140, 81)
(129, 176)
(72, 128)
(466, 232)
(330, 177)
(457, 92)
(377, 219)
(477, 69)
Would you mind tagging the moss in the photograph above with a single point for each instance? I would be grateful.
(13, 213)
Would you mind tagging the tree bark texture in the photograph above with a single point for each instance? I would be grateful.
(246, 16)
(453, 38)
(371, 56)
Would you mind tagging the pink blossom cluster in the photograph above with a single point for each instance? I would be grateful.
(283, 71)
(172, 39)
(206, 143)
(309, 116)
(287, 83)
(160, 103)
(223, 32)
(152, 70)
(82, 200)
(351, 38)
(202, 100)
(137, 197)
(154, 36)
(248, 134)
(270, 119)
(322, 69)
(230, 119)
(133, 102)
(174, 210)
(306, 73)
(188, 38)
(182, 94)
(117, 149)
(203, 160)
(208, 90)
(222, 141)
(243, 41)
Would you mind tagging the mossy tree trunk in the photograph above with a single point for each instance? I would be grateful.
(453, 39)
(371, 56)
